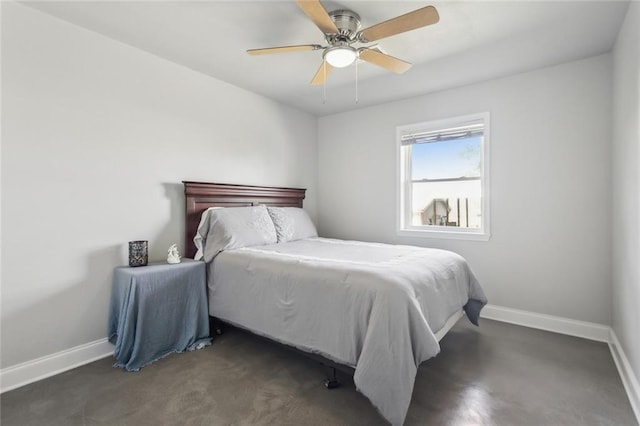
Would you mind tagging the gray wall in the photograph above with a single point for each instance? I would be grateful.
(626, 188)
(96, 138)
(550, 190)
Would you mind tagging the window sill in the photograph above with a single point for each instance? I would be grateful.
(446, 234)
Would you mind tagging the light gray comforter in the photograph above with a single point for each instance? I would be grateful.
(374, 307)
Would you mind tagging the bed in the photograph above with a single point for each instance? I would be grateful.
(379, 309)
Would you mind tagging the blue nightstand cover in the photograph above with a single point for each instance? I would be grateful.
(156, 310)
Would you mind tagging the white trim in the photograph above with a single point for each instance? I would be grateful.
(627, 375)
(438, 233)
(50, 365)
(561, 325)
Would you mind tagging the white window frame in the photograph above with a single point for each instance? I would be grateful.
(404, 186)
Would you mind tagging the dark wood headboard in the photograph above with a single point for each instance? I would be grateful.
(199, 196)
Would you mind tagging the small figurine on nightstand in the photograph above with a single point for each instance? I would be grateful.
(174, 256)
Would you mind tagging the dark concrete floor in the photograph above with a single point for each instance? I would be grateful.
(498, 374)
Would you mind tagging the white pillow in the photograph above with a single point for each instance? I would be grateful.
(292, 223)
(201, 233)
(233, 227)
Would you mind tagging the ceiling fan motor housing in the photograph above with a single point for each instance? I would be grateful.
(348, 23)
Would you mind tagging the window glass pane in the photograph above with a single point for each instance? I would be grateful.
(446, 183)
(448, 159)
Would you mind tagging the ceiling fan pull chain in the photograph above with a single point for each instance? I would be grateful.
(356, 81)
(324, 83)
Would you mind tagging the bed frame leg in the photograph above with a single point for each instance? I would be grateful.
(332, 382)
(215, 325)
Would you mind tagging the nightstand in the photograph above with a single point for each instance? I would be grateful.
(156, 310)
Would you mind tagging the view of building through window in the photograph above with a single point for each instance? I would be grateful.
(446, 183)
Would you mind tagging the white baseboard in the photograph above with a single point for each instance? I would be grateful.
(584, 329)
(50, 365)
(629, 379)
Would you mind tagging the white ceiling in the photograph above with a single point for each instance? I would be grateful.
(474, 41)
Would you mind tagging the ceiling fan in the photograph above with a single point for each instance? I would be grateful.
(341, 29)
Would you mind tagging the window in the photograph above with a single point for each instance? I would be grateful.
(444, 178)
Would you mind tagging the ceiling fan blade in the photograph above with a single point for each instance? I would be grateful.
(321, 75)
(318, 14)
(400, 24)
(284, 49)
(383, 60)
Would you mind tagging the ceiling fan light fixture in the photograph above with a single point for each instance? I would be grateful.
(340, 56)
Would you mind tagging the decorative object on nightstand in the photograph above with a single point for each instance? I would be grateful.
(174, 256)
(158, 310)
(138, 253)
